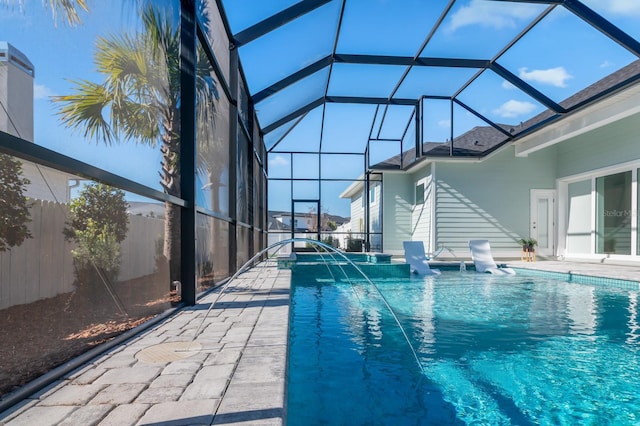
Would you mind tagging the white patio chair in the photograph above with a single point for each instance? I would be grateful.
(415, 256)
(483, 260)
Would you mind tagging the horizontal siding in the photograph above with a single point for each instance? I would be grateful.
(357, 216)
(398, 202)
(609, 145)
(421, 216)
(489, 200)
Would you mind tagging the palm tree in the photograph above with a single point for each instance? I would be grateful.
(69, 9)
(139, 101)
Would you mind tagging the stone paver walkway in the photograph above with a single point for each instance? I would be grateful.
(232, 372)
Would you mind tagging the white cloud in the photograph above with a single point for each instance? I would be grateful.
(507, 86)
(278, 161)
(491, 14)
(514, 108)
(42, 92)
(554, 76)
(616, 7)
(444, 123)
(606, 64)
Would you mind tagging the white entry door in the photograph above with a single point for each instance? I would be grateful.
(542, 225)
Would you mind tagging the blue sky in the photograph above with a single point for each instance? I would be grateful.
(559, 57)
(61, 53)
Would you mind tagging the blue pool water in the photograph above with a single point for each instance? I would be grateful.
(512, 350)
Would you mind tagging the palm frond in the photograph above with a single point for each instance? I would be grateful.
(120, 56)
(138, 121)
(85, 108)
(69, 9)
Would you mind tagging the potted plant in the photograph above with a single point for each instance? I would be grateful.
(528, 244)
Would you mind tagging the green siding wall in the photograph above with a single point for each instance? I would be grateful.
(398, 202)
(489, 200)
(421, 219)
(609, 145)
(357, 215)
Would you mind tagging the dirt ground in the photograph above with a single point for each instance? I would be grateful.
(39, 336)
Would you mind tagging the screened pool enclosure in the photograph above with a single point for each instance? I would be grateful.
(148, 149)
(346, 89)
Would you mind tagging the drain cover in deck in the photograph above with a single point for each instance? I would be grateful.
(167, 352)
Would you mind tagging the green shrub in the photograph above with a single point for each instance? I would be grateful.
(354, 244)
(14, 205)
(98, 223)
(98, 248)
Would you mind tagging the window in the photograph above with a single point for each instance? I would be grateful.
(613, 214)
(372, 195)
(420, 193)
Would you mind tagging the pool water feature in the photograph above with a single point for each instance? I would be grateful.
(353, 257)
(493, 350)
(372, 265)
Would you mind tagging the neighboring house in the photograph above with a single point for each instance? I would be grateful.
(147, 209)
(572, 185)
(304, 226)
(16, 118)
(342, 234)
(303, 222)
(277, 226)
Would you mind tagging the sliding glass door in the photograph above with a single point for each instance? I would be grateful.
(613, 214)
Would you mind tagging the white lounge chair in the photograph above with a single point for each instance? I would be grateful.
(415, 256)
(483, 260)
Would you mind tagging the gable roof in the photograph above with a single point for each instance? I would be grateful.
(481, 140)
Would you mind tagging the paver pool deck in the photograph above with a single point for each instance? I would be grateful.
(233, 371)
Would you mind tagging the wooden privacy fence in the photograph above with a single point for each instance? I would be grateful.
(42, 266)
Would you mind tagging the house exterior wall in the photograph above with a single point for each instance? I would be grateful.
(397, 205)
(46, 183)
(357, 214)
(489, 200)
(375, 215)
(421, 213)
(612, 148)
(606, 146)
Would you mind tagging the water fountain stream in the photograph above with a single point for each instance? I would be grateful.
(335, 254)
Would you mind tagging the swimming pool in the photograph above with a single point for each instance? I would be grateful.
(492, 351)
